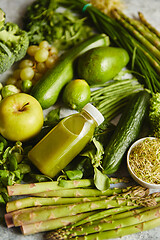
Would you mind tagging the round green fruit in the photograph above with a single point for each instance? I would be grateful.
(21, 117)
(76, 94)
(101, 64)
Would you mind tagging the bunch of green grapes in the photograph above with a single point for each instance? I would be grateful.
(38, 60)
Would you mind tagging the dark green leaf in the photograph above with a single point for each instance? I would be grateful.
(11, 178)
(2, 139)
(6, 153)
(2, 201)
(39, 177)
(101, 180)
(24, 168)
(12, 162)
(1, 147)
(5, 196)
(17, 174)
(75, 174)
(4, 174)
(52, 117)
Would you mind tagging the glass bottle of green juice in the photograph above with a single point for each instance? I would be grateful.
(65, 141)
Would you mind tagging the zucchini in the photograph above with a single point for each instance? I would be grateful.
(47, 90)
(126, 132)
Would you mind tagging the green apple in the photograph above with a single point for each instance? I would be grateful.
(21, 117)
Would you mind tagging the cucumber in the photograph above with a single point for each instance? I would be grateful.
(126, 132)
(47, 90)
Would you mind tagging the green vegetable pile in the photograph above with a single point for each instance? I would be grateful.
(44, 21)
(13, 43)
(80, 202)
(140, 41)
(13, 166)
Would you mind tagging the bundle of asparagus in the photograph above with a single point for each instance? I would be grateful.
(76, 205)
(144, 34)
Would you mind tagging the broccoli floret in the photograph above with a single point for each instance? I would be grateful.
(13, 43)
(154, 114)
(2, 18)
(7, 58)
(15, 39)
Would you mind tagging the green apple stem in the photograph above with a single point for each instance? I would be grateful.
(22, 109)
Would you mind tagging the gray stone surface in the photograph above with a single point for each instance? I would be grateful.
(14, 11)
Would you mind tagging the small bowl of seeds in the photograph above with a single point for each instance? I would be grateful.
(143, 162)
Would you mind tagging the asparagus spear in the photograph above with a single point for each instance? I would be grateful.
(40, 201)
(9, 219)
(141, 217)
(80, 192)
(114, 180)
(23, 189)
(103, 214)
(148, 25)
(120, 17)
(52, 224)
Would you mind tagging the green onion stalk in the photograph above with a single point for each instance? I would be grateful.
(111, 98)
(144, 60)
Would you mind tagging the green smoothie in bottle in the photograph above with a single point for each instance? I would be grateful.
(65, 141)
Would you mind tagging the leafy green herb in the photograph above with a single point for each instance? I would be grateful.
(45, 21)
(13, 166)
(52, 117)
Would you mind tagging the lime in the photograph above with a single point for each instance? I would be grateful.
(76, 94)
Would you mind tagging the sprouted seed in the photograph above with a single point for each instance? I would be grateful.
(144, 160)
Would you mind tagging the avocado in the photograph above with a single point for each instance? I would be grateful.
(101, 64)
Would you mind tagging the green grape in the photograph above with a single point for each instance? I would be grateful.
(32, 50)
(41, 55)
(41, 67)
(26, 85)
(53, 50)
(50, 61)
(44, 44)
(37, 76)
(26, 63)
(27, 73)
(8, 90)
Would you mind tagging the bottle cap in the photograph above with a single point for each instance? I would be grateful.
(94, 112)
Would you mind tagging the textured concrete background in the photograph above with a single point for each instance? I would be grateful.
(14, 10)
